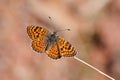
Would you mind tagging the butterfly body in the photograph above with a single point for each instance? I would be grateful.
(53, 45)
(51, 40)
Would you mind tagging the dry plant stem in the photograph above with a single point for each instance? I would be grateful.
(93, 68)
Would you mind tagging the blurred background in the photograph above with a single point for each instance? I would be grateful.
(95, 34)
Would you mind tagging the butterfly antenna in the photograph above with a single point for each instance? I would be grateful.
(62, 30)
(93, 68)
(59, 30)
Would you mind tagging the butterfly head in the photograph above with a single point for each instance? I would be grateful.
(54, 33)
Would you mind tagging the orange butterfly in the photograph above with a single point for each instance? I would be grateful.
(53, 45)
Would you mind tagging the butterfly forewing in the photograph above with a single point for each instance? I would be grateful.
(36, 32)
(65, 48)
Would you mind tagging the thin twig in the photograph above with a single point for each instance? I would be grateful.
(94, 68)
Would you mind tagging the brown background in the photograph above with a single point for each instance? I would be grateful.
(95, 33)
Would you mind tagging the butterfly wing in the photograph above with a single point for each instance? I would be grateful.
(39, 37)
(36, 32)
(54, 52)
(65, 48)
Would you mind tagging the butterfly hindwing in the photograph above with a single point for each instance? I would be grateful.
(39, 44)
(54, 52)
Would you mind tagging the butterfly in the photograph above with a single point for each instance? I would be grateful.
(44, 41)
